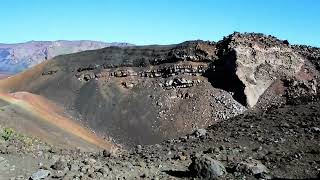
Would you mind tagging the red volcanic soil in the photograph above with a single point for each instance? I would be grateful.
(42, 118)
(23, 79)
(50, 123)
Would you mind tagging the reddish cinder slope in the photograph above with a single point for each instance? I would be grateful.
(52, 116)
(24, 79)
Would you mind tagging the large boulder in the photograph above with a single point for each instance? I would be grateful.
(204, 167)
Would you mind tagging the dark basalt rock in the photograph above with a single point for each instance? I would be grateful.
(204, 167)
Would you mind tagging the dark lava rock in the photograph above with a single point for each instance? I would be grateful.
(204, 167)
(59, 165)
(200, 132)
(106, 153)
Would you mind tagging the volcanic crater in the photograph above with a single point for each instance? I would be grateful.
(147, 94)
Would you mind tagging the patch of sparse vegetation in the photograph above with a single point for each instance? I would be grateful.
(7, 133)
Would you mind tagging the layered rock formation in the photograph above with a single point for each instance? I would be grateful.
(145, 94)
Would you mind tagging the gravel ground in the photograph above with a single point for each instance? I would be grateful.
(280, 143)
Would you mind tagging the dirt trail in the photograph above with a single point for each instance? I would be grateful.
(50, 114)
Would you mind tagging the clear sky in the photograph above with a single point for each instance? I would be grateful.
(157, 21)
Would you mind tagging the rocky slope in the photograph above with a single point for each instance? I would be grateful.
(281, 143)
(146, 94)
(18, 57)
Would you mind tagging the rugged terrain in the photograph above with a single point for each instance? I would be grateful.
(258, 94)
(281, 143)
(146, 94)
(15, 58)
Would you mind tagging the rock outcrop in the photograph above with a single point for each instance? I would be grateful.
(311, 53)
(256, 61)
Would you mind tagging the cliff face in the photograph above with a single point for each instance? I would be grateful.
(145, 94)
(257, 61)
(18, 57)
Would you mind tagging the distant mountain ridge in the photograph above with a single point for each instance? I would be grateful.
(15, 58)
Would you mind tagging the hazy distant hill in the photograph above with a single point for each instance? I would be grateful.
(17, 57)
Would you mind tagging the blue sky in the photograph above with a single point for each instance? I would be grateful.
(157, 21)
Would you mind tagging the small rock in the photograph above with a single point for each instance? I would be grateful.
(204, 167)
(89, 161)
(253, 167)
(74, 167)
(58, 174)
(92, 175)
(59, 165)
(315, 129)
(139, 149)
(84, 169)
(106, 153)
(285, 124)
(90, 170)
(184, 139)
(200, 132)
(143, 175)
(103, 170)
(41, 174)
(182, 157)
(222, 148)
